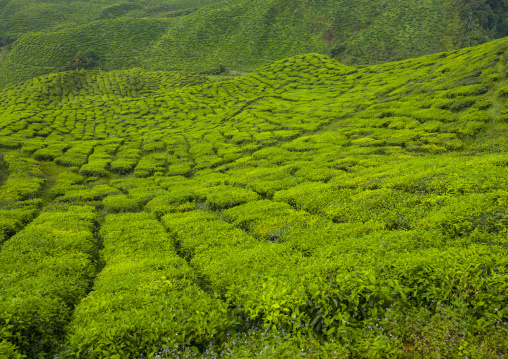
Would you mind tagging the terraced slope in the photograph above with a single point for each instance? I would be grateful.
(240, 35)
(247, 34)
(113, 44)
(306, 208)
(20, 17)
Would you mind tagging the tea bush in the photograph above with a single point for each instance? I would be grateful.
(198, 231)
(89, 194)
(147, 292)
(67, 181)
(99, 161)
(76, 156)
(266, 219)
(24, 180)
(122, 203)
(150, 164)
(47, 269)
(50, 153)
(223, 197)
(12, 220)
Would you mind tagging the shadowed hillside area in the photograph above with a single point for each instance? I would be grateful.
(210, 36)
(308, 208)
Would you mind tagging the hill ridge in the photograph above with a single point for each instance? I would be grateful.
(209, 36)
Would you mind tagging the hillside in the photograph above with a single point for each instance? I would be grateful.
(242, 35)
(18, 17)
(118, 44)
(306, 209)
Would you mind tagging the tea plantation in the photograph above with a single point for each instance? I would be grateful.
(210, 36)
(307, 209)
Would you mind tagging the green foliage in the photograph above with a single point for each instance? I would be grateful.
(76, 156)
(98, 45)
(211, 36)
(47, 268)
(145, 293)
(127, 159)
(122, 203)
(12, 220)
(266, 219)
(50, 153)
(503, 91)
(197, 231)
(102, 44)
(94, 193)
(480, 15)
(7, 349)
(52, 16)
(353, 32)
(333, 205)
(175, 201)
(87, 60)
(24, 180)
(180, 169)
(9, 143)
(98, 168)
(223, 197)
(150, 164)
(67, 181)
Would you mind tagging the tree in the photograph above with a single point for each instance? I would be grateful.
(86, 60)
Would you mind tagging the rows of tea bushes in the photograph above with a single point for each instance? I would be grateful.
(308, 208)
(69, 86)
(16, 20)
(443, 118)
(20, 186)
(212, 36)
(24, 180)
(13, 217)
(111, 44)
(145, 296)
(47, 268)
(98, 163)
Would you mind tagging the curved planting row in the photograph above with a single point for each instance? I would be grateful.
(45, 271)
(18, 202)
(145, 298)
(387, 226)
(24, 180)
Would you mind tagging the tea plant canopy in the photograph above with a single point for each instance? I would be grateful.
(309, 207)
(209, 36)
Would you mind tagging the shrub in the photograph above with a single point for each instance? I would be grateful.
(67, 181)
(9, 143)
(86, 60)
(175, 201)
(94, 193)
(25, 178)
(95, 169)
(142, 279)
(266, 219)
(127, 158)
(122, 203)
(50, 266)
(76, 156)
(49, 153)
(180, 169)
(150, 164)
(223, 197)
(12, 220)
(503, 91)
